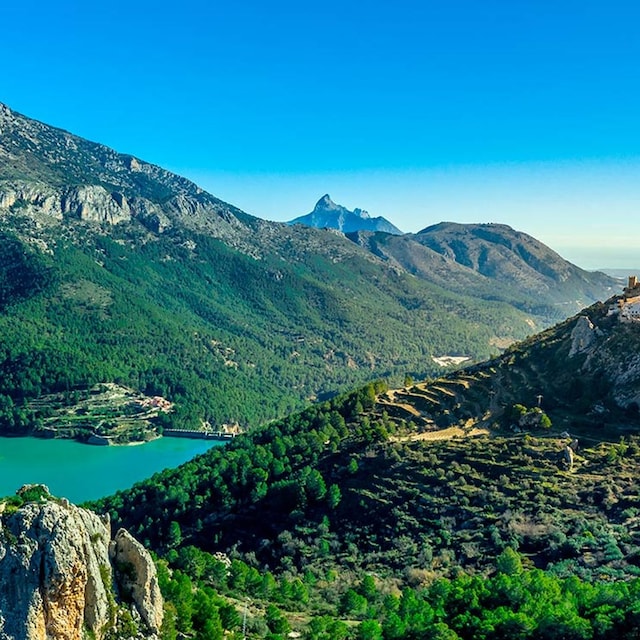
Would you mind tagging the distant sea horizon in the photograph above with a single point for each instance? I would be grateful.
(622, 261)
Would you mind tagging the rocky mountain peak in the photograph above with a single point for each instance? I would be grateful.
(325, 203)
(361, 213)
(51, 175)
(329, 215)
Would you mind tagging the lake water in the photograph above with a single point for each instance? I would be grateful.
(82, 472)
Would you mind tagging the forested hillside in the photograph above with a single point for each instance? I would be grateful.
(375, 514)
(113, 270)
(343, 525)
(226, 337)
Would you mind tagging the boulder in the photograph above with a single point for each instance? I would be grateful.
(54, 571)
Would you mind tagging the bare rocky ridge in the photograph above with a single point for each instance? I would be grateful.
(53, 177)
(582, 336)
(58, 578)
(48, 171)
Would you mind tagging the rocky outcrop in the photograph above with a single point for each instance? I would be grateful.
(137, 578)
(93, 203)
(47, 173)
(96, 204)
(568, 458)
(612, 355)
(55, 571)
(31, 198)
(583, 336)
(56, 576)
(624, 374)
(329, 215)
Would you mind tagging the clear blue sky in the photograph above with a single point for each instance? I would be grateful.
(515, 111)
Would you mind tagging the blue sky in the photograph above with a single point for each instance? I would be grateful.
(519, 112)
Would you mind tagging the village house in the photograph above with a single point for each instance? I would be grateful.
(627, 306)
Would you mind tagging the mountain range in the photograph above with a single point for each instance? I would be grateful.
(494, 261)
(130, 274)
(473, 258)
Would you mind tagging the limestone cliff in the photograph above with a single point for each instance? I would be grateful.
(136, 575)
(610, 350)
(50, 175)
(583, 336)
(57, 576)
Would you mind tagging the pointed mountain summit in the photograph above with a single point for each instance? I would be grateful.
(329, 215)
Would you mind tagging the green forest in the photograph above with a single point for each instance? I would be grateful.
(332, 523)
(226, 337)
(210, 599)
(341, 520)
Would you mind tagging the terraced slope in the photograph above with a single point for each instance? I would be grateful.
(583, 373)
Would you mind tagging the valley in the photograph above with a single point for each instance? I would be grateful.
(444, 484)
(319, 321)
(119, 272)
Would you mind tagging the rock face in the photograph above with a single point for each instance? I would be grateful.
(136, 575)
(95, 203)
(582, 336)
(51, 175)
(56, 574)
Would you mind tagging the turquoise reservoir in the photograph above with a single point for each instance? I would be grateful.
(82, 472)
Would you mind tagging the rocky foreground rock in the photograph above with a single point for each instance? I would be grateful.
(63, 577)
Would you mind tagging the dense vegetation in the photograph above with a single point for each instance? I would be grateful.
(345, 520)
(336, 485)
(24, 272)
(350, 520)
(186, 317)
(113, 270)
(212, 599)
(335, 517)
